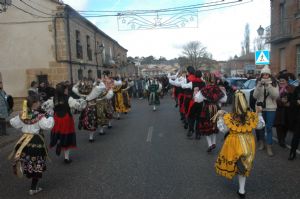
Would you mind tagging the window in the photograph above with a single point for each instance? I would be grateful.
(79, 54)
(88, 48)
(298, 59)
(282, 16)
(80, 74)
(282, 59)
(90, 74)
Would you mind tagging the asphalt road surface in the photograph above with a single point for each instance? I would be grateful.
(146, 155)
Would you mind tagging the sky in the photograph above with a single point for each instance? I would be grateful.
(221, 30)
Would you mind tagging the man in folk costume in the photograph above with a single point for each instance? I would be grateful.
(63, 133)
(30, 152)
(237, 154)
(194, 108)
(176, 81)
(121, 97)
(211, 95)
(154, 88)
(88, 117)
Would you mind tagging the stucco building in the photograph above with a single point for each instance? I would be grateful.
(53, 43)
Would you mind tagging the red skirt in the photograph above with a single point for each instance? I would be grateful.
(63, 132)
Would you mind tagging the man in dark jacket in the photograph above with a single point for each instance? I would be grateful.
(3, 108)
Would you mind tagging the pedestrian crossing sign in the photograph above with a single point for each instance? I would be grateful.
(262, 57)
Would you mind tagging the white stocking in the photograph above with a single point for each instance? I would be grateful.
(109, 123)
(213, 138)
(242, 183)
(67, 154)
(208, 138)
(101, 130)
(92, 135)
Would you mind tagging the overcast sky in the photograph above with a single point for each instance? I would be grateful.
(221, 31)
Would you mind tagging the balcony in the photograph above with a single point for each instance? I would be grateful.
(282, 31)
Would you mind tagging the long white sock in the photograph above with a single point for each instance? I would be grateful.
(101, 130)
(242, 183)
(118, 115)
(208, 140)
(92, 135)
(154, 107)
(213, 138)
(67, 154)
(109, 123)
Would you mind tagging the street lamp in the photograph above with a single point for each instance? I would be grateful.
(260, 31)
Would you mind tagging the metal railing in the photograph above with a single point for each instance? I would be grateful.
(282, 30)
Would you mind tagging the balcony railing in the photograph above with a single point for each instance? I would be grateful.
(281, 31)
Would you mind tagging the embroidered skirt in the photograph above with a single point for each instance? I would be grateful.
(30, 155)
(88, 118)
(104, 111)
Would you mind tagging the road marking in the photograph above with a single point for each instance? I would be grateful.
(150, 132)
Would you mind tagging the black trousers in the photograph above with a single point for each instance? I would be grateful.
(295, 141)
(2, 126)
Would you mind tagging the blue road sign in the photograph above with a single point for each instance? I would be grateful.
(262, 57)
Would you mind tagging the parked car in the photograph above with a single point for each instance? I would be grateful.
(294, 83)
(247, 88)
(233, 84)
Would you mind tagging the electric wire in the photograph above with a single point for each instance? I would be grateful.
(34, 15)
(35, 8)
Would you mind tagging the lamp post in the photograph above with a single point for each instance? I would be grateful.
(99, 50)
(260, 32)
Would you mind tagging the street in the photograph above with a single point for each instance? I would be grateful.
(147, 155)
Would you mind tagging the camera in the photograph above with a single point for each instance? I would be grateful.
(262, 104)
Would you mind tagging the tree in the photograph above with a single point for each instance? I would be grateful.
(195, 53)
(247, 39)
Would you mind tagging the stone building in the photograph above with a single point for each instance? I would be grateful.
(53, 43)
(285, 36)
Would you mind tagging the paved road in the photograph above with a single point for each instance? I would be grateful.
(146, 155)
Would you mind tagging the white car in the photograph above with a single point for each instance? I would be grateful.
(248, 86)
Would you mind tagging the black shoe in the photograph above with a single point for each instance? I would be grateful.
(67, 161)
(118, 118)
(241, 195)
(185, 126)
(190, 134)
(102, 133)
(198, 136)
(109, 127)
(58, 149)
(176, 105)
(282, 144)
(209, 149)
(292, 155)
(91, 140)
(213, 146)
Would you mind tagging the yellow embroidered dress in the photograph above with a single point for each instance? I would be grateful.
(238, 151)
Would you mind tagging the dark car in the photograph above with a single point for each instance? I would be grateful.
(233, 84)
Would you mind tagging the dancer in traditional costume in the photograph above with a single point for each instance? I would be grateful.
(88, 117)
(30, 152)
(211, 95)
(238, 151)
(63, 133)
(154, 88)
(194, 109)
(121, 98)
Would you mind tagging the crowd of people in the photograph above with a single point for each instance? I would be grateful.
(274, 103)
(199, 98)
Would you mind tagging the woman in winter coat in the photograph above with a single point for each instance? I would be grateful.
(266, 93)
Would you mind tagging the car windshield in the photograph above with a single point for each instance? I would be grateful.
(249, 84)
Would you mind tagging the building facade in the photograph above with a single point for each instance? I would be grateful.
(285, 36)
(56, 45)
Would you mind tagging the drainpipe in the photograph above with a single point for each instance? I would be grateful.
(69, 44)
(96, 53)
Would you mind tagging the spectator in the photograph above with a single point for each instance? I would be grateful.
(3, 109)
(33, 90)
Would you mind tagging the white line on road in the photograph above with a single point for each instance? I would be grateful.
(150, 132)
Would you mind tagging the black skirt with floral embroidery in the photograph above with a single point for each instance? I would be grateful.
(33, 157)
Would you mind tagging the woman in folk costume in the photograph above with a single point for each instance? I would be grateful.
(30, 152)
(88, 117)
(176, 81)
(238, 151)
(211, 95)
(63, 133)
(194, 109)
(154, 88)
(104, 110)
(120, 100)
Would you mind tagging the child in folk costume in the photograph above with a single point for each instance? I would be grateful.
(88, 117)
(63, 133)
(238, 151)
(30, 152)
(154, 88)
(211, 95)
